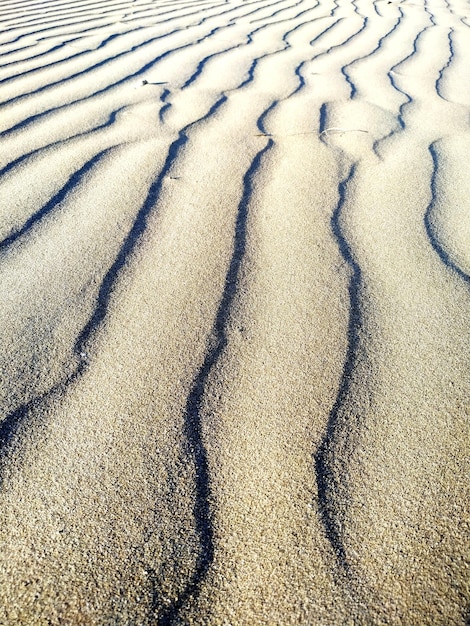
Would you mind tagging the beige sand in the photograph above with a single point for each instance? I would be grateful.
(235, 272)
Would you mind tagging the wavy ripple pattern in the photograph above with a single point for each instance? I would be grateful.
(234, 268)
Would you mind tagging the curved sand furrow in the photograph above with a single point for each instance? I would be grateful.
(55, 54)
(125, 90)
(274, 14)
(377, 63)
(60, 54)
(428, 113)
(28, 52)
(234, 269)
(11, 165)
(47, 17)
(52, 32)
(85, 118)
(21, 229)
(193, 406)
(257, 520)
(376, 109)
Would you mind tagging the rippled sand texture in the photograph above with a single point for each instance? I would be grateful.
(235, 321)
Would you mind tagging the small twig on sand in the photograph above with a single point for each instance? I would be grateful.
(342, 130)
(323, 132)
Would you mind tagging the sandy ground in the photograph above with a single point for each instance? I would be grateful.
(235, 321)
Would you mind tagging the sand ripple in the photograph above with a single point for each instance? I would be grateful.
(235, 269)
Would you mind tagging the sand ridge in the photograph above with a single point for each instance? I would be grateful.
(235, 280)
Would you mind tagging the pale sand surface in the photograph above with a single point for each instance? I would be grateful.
(235, 321)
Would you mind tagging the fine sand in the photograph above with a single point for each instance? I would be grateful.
(235, 320)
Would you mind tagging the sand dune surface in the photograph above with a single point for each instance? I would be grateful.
(235, 283)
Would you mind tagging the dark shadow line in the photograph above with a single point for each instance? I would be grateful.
(430, 231)
(376, 9)
(35, 7)
(300, 78)
(143, 69)
(193, 417)
(165, 105)
(76, 20)
(286, 20)
(256, 61)
(446, 66)
(326, 481)
(324, 32)
(119, 56)
(432, 18)
(72, 182)
(249, 40)
(323, 118)
(40, 26)
(409, 99)
(264, 115)
(295, 17)
(48, 32)
(336, 8)
(337, 45)
(298, 73)
(11, 424)
(344, 72)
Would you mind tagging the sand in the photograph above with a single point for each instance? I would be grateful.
(235, 282)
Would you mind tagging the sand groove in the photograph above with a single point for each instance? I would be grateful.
(235, 269)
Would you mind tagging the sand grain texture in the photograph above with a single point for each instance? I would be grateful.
(235, 280)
